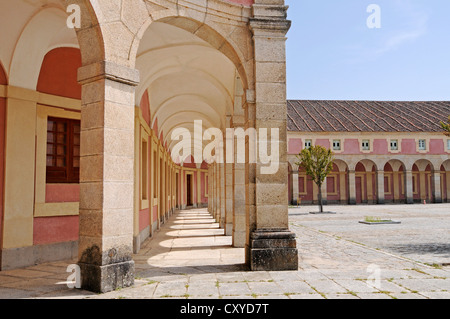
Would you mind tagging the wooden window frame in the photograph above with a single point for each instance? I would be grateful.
(67, 174)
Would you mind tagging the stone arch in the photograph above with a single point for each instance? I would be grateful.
(201, 25)
(366, 182)
(201, 35)
(395, 181)
(338, 183)
(36, 40)
(422, 177)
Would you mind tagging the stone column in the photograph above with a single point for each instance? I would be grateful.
(222, 195)
(228, 199)
(343, 188)
(447, 178)
(272, 245)
(295, 190)
(380, 187)
(239, 191)
(351, 187)
(209, 190)
(409, 187)
(106, 176)
(436, 184)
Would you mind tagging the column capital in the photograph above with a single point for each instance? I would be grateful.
(269, 17)
(265, 26)
(108, 70)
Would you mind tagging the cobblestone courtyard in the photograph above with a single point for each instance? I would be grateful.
(339, 258)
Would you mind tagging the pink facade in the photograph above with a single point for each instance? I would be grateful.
(351, 146)
(62, 193)
(58, 74)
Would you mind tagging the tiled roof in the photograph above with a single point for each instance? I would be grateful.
(366, 116)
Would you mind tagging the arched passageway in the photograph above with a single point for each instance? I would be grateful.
(147, 70)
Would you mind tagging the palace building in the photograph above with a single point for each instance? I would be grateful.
(87, 114)
(385, 152)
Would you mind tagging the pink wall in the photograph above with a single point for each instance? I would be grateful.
(323, 142)
(144, 219)
(48, 230)
(437, 147)
(62, 193)
(380, 146)
(295, 146)
(408, 146)
(351, 146)
(3, 81)
(58, 74)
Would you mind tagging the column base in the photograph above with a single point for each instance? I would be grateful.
(102, 279)
(273, 250)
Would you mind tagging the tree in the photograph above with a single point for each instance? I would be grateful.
(318, 163)
(446, 127)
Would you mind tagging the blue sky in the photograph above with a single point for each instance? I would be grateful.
(332, 54)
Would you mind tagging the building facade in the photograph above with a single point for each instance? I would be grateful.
(385, 152)
(91, 92)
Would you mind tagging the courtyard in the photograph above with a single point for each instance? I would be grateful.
(339, 258)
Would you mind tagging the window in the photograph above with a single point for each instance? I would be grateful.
(308, 143)
(63, 150)
(394, 145)
(337, 145)
(448, 145)
(422, 145)
(365, 145)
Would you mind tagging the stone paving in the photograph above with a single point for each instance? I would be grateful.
(339, 259)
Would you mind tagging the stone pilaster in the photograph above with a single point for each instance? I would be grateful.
(295, 191)
(351, 187)
(106, 176)
(271, 245)
(409, 187)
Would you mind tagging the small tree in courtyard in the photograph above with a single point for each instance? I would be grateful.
(317, 161)
(446, 127)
